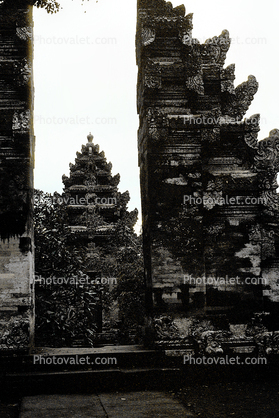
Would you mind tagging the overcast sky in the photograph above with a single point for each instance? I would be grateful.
(85, 77)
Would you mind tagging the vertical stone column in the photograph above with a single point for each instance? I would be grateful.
(199, 181)
(16, 177)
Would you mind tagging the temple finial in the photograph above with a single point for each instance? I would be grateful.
(90, 137)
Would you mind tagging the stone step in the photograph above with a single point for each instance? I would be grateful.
(73, 359)
(35, 383)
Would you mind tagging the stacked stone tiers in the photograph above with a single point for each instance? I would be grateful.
(208, 186)
(94, 203)
(16, 177)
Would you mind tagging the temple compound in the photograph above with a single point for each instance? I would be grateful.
(208, 186)
(16, 176)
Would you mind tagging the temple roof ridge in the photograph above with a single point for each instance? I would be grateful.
(90, 165)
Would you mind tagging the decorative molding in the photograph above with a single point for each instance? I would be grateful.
(152, 75)
(259, 235)
(238, 103)
(21, 121)
(211, 135)
(148, 36)
(24, 33)
(268, 152)
(196, 83)
(252, 127)
(216, 48)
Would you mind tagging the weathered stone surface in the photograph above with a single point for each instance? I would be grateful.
(16, 177)
(208, 186)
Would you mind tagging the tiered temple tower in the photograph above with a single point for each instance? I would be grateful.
(94, 207)
(208, 187)
(94, 202)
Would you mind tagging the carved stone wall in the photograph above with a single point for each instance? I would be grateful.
(208, 186)
(16, 177)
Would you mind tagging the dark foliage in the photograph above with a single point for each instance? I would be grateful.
(66, 312)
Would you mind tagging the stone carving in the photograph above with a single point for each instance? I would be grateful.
(195, 83)
(179, 181)
(24, 33)
(185, 32)
(194, 123)
(252, 127)
(255, 234)
(157, 123)
(267, 155)
(239, 102)
(216, 48)
(271, 200)
(211, 135)
(115, 180)
(165, 328)
(215, 230)
(152, 78)
(21, 121)
(266, 163)
(227, 79)
(266, 342)
(268, 244)
(211, 342)
(245, 93)
(152, 82)
(148, 36)
(22, 71)
(259, 235)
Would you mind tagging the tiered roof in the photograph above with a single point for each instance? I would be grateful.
(94, 203)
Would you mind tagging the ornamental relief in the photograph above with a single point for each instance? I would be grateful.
(211, 135)
(21, 121)
(251, 139)
(152, 82)
(238, 104)
(228, 73)
(259, 235)
(267, 164)
(186, 38)
(271, 200)
(24, 32)
(196, 83)
(152, 77)
(148, 36)
(216, 48)
(227, 86)
(156, 117)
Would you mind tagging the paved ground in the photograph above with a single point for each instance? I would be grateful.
(109, 405)
(250, 399)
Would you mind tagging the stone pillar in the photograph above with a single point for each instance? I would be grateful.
(207, 184)
(16, 177)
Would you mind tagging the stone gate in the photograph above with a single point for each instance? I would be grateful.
(16, 177)
(208, 186)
